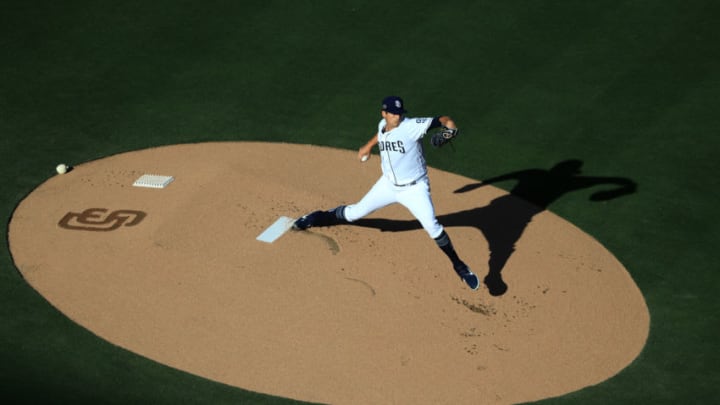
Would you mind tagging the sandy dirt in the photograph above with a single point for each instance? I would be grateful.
(364, 313)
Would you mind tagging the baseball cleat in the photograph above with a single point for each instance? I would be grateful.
(306, 221)
(467, 276)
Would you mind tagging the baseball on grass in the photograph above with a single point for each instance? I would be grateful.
(62, 168)
(364, 158)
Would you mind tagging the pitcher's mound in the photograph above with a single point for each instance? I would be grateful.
(359, 314)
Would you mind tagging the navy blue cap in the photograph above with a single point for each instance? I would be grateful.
(393, 105)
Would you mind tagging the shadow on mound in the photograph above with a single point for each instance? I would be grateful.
(504, 220)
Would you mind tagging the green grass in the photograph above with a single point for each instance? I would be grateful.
(628, 87)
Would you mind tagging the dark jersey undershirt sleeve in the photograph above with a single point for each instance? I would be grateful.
(435, 123)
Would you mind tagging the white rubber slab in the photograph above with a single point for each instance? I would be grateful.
(153, 181)
(276, 230)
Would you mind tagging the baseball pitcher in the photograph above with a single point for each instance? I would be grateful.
(404, 178)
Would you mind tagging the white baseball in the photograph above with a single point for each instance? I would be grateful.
(364, 158)
(61, 168)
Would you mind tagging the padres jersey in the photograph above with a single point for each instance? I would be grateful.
(401, 150)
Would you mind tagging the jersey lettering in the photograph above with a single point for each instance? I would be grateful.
(401, 149)
(396, 146)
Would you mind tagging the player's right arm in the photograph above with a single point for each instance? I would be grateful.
(367, 148)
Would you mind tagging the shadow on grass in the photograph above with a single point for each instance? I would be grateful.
(504, 220)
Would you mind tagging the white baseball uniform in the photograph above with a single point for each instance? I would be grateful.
(404, 177)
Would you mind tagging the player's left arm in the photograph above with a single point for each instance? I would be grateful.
(446, 122)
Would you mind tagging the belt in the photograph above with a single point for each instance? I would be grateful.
(406, 185)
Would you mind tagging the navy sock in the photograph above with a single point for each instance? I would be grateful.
(443, 241)
(339, 213)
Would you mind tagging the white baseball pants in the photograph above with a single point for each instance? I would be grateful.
(416, 198)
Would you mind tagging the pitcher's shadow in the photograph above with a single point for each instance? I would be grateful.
(504, 220)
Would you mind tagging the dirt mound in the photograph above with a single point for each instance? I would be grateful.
(364, 313)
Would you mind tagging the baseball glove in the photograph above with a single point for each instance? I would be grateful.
(443, 136)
